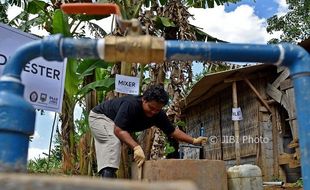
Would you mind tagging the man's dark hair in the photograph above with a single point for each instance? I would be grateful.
(156, 93)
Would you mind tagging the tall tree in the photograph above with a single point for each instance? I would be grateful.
(295, 25)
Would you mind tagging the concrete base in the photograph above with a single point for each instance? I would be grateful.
(35, 182)
(207, 174)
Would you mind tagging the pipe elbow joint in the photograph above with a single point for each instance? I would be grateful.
(51, 48)
(295, 58)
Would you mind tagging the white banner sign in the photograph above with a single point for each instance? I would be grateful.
(236, 114)
(127, 85)
(43, 80)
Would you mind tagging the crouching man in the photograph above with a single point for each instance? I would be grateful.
(112, 121)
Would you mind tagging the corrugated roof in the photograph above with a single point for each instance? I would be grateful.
(212, 83)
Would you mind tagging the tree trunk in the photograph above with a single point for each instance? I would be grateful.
(67, 137)
(146, 141)
(86, 144)
(84, 153)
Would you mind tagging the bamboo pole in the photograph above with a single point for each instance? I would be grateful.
(123, 171)
(236, 123)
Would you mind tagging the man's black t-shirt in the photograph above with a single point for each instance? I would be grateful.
(127, 113)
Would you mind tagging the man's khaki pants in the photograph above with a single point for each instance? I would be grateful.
(107, 145)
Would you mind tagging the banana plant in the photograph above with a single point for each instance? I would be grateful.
(77, 86)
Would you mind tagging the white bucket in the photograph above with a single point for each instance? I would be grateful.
(245, 177)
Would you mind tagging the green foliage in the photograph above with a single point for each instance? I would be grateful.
(45, 164)
(18, 3)
(61, 24)
(50, 164)
(162, 22)
(181, 124)
(209, 3)
(87, 67)
(38, 165)
(35, 6)
(20, 22)
(129, 9)
(207, 70)
(72, 81)
(105, 85)
(299, 183)
(3, 14)
(23, 21)
(168, 148)
(163, 2)
(96, 30)
(81, 125)
(295, 24)
(194, 3)
(101, 74)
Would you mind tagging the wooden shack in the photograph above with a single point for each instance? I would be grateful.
(255, 105)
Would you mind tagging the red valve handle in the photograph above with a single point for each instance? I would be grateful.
(91, 8)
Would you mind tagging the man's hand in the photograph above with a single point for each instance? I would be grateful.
(138, 155)
(200, 140)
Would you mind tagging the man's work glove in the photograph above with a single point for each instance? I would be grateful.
(138, 155)
(200, 140)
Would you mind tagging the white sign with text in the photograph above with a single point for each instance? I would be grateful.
(127, 84)
(237, 114)
(43, 80)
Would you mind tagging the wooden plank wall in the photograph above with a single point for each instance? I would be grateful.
(227, 124)
(215, 116)
(210, 114)
(215, 113)
(249, 128)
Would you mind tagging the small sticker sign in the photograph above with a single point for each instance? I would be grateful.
(237, 114)
(127, 84)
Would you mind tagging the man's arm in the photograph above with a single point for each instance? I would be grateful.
(181, 136)
(125, 137)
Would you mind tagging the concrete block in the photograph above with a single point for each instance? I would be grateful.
(207, 174)
(35, 182)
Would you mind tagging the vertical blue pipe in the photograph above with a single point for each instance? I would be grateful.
(17, 116)
(17, 119)
(298, 61)
(289, 55)
(302, 99)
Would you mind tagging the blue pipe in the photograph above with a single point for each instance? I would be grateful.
(202, 51)
(17, 119)
(52, 48)
(17, 127)
(17, 116)
(281, 54)
(289, 55)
